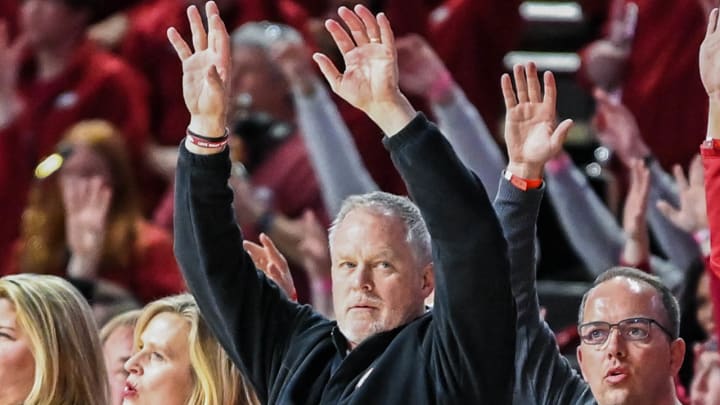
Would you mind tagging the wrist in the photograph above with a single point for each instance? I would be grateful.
(209, 127)
(392, 115)
(530, 171)
(713, 129)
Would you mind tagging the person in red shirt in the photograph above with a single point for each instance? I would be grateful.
(83, 222)
(50, 78)
(710, 150)
(650, 63)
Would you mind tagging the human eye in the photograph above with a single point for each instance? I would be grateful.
(156, 356)
(636, 329)
(594, 334)
(347, 264)
(384, 265)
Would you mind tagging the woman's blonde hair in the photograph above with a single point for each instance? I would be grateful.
(126, 319)
(216, 379)
(63, 337)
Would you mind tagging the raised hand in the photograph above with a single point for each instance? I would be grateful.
(692, 215)
(710, 58)
(314, 247)
(10, 54)
(87, 202)
(206, 71)
(420, 68)
(637, 247)
(294, 61)
(370, 79)
(606, 58)
(531, 135)
(617, 129)
(269, 259)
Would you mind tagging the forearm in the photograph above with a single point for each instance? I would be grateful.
(469, 136)
(332, 150)
(542, 375)
(591, 229)
(466, 236)
(208, 246)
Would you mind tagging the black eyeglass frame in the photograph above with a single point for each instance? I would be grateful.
(627, 321)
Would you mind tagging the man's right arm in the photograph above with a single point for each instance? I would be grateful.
(249, 315)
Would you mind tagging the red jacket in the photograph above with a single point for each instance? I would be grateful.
(95, 85)
(711, 159)
(662, 85)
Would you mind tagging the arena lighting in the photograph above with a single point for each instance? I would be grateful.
(48, 166)
(558, 62)
(540, 11)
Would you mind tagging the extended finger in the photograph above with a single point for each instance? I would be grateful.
(712, 22)
(199, 36)
(256, 252)
(356, 26)
(696, 171)
(521, 83)
(534, 92)
(371, 24)
(507, 90)
(560, 134)
(667, 210)
(387, 36)
(182, 49)
(273, 253)
(343, 41)
(680, 178)
(550, 97)
(328, 69)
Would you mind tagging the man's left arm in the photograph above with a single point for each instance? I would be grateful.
(473, 339)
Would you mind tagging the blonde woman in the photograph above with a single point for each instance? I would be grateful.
(49, 345)
(116, 337)
(178, 361)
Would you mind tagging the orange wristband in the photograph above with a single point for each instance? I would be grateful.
(522, 184)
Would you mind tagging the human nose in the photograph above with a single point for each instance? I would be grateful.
(615, 345)
(362, 279)
(132, 365)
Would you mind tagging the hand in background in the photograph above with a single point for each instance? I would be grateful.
(692, 214)
(531, 135)
(607, 58)
(87, 203)
(294, 61)
(370, 79)
(637, 246)
(617, 129)
(268, 258)
(10, 54)
(420, 68)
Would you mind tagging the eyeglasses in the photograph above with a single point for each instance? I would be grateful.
(632, 329)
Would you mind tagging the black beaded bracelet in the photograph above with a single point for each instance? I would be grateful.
(225, 136)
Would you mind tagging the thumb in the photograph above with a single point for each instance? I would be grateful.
(560, 134)
(667, 210)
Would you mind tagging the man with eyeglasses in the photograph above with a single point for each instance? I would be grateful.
(629, 321)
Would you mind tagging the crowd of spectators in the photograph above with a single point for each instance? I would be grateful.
(247, 201)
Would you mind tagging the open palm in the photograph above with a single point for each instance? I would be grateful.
(530, 132)
(206, 70)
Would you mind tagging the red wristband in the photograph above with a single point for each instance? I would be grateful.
(207, 142)
(522, 184)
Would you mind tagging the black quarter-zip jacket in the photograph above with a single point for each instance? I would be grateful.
(461, 352)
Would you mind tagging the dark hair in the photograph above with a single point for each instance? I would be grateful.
(672, 309)
(690, 328)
